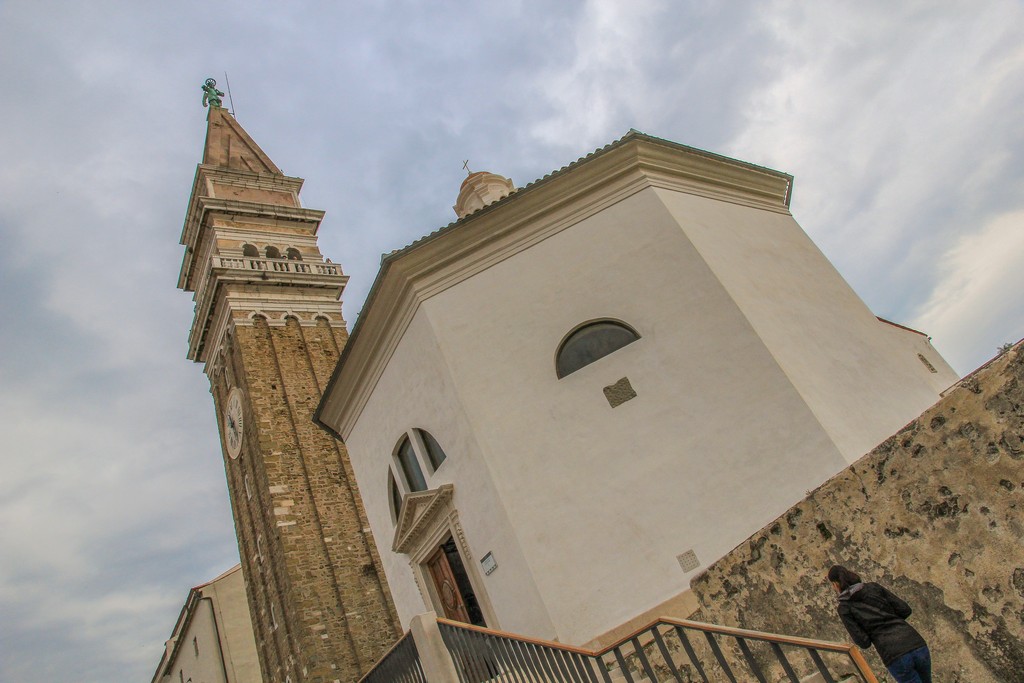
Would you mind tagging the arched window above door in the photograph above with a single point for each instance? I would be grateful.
(435, 454)
(411, 471)
(395, 495)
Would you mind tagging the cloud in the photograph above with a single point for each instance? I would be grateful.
(978, 297)
(91, 493)
(650, 66)
(907, 156)
(602, 77)
(899, 145)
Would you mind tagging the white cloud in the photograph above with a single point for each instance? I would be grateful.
(978, 298)
(900, 145)
(604, 76)
(878, 118)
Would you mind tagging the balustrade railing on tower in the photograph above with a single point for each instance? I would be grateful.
(262, 265)
(275, 265)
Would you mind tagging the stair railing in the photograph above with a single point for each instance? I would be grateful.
(665, 650)
(400, 664)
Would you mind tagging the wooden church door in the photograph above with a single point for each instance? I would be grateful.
(452, 584)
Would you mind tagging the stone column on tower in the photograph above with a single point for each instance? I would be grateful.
(268, 330)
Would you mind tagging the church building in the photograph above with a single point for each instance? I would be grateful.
(563, 406)
(551, 414)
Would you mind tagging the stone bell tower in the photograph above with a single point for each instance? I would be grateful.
(268, 329)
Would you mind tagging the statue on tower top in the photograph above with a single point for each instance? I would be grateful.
(211, 94)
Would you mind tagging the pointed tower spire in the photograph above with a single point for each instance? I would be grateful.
(239, 189)
(268, 329)
(229, 146)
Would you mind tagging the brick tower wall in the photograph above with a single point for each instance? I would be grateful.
(305, 545)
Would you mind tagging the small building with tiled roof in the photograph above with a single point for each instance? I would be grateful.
(213, 640)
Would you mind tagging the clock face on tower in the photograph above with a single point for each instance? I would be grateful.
(233, 423)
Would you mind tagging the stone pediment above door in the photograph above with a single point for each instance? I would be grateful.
(418, 515)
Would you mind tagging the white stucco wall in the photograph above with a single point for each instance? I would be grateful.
(716, 443)
(416, 391)
(586, 507)
(604, 500)
(234, 627)
(912, 343)
(220, 624)
(861, 378)
(207, 665)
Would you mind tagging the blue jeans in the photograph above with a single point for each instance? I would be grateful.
(913, 667)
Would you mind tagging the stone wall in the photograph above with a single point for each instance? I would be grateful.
(934, 513)
(320, 605)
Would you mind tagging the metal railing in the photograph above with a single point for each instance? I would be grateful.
(666, 650)
(400, 664)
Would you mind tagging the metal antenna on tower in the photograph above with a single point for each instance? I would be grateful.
(227, 84)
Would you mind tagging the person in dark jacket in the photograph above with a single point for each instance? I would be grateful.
(874, 616)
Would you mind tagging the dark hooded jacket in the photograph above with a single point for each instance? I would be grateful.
(874, 616)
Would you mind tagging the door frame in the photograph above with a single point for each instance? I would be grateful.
(428, 539)
(439, 564)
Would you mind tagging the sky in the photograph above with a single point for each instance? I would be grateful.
(900, 122)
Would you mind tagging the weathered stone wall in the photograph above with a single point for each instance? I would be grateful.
(934, 513)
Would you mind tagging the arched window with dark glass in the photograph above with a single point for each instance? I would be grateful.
(414, 479)
(293, 254)
(273, 252)
(394, 494)
(590, 342)
(250, 250)
(435, 454)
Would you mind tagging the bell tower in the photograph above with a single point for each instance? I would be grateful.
(268, 331)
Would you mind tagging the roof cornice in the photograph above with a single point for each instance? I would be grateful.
(543, 208)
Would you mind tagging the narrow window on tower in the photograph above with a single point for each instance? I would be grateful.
(259, 547)
(273, 617)
(248, 488)
(195, 645)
